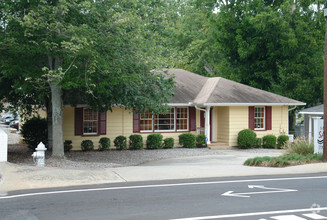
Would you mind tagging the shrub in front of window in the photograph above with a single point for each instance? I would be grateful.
(269, 141)
(135, 142)
(168, 143)
(87, 145)
(258, 143)
(68, 145)
(154, 141)
(104, 144)
(120, 142)
(187, 140)
(282, 140)
(246, 139)
(201, 141)
(34, 131)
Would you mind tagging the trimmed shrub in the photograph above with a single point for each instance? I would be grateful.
(258, 143)
(201, 141)
(282, 140)
(246, 139)
(187, 140)
(135, 142)
(154, 141)
(104, 143)
(87, 145)
(269, 141)
(34, 131)
(120, 142)
(68, 145)
(168, 143)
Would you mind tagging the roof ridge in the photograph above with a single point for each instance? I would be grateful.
(207, 89)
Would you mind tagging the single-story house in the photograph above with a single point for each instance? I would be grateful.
(309, 115)
(215, 106)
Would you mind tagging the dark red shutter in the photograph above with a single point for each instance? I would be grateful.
(136, 122)
(192, 119)
(268, 117)
(78, 121)
(251, 117)
(102, 123)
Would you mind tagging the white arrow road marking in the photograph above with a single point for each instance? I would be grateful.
(246, 194)
(288, 217)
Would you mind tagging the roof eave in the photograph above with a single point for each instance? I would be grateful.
(250, 104)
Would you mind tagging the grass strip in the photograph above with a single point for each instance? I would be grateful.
(284, 161)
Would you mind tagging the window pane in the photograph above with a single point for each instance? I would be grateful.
(165, 122)
(259, 118)
(182, 118)
(90, 121)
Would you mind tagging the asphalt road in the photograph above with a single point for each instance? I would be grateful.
(256, 197)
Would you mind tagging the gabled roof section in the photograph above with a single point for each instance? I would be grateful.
(218, 91)
(188, 85)
(318, 109)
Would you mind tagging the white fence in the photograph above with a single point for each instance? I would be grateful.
(3, 146)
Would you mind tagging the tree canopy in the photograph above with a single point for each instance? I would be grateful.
(80, 51)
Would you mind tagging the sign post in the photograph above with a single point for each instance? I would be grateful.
(318, 135)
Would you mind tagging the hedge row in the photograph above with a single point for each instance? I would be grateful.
(247, 138)
(153, 141)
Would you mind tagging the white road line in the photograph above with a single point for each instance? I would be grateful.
(252, 214)
(314, 216)
(161, 185)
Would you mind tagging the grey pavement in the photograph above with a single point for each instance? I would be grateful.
(229, 163)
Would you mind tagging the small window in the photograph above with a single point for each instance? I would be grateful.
(182, 119)
(90, 122)
(259, 118)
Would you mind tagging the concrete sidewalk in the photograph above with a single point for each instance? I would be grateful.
(230, 163)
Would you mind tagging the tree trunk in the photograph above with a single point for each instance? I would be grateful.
(49, 120)
(57, 120)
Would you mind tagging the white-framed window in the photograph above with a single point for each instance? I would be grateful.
(146, 123)
(165, 122)
(182, 119)
(90, 122)
(259, 118)
(176, 120)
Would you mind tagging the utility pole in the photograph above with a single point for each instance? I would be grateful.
(325, 87)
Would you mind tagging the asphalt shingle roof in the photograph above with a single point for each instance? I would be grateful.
(218, 91)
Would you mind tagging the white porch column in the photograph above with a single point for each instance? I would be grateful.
(3, 146)
(207, 124)
(310, 129)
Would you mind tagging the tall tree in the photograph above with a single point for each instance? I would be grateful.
(73, 51)
(272, 45)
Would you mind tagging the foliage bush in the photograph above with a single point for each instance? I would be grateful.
(154, 141)
(258, 143)
(187, 140)
(87, 145)
(120, 142)
(282, 140)
(135, 142)
(168, 143)
(300, 146)
(34, 131)
(201, 141)
(68, 145)
(269, 141)
(104, 144)
(246, 139)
